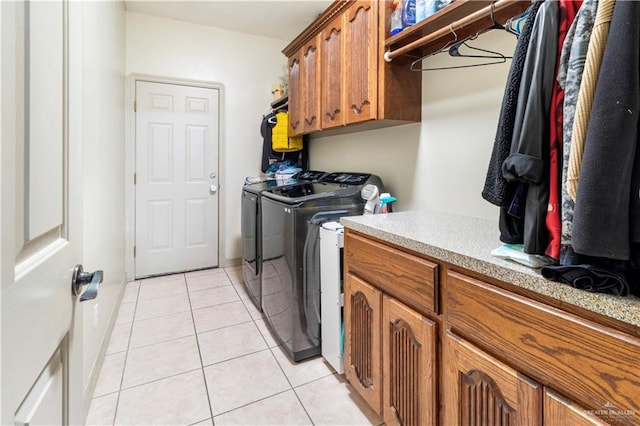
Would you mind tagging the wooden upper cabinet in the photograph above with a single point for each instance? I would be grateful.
(480, 390)
(310, 80)
(343, 78)
(361, 62)
(295, 95)
(332, 77)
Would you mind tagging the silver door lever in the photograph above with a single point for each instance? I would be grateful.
(81, 278)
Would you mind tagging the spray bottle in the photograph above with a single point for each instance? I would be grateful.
(385, 202)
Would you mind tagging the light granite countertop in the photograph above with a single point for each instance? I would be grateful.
(467, 242)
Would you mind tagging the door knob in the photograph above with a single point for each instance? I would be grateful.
(213, 188)
(81, 278)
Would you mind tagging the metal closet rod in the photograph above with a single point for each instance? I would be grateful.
(454, 29)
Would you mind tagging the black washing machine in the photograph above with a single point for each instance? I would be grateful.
(291, 220)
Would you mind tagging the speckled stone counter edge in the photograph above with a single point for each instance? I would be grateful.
(422, 232)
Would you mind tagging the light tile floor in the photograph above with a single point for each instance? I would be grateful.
(190, 349)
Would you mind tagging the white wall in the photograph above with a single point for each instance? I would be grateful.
(103, 193)
(440, 163)
(246, 65)
(437, 164)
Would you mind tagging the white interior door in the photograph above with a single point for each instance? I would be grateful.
(176, 178)
(40, 210)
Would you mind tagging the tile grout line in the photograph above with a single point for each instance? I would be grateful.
(292, 388)
(136, 300)
(210, 392)
(162, 378)
(124, 365)
(257, 400)
(204, 377)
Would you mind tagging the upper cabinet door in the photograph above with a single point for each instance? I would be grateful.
(295, 116)
(340, 77)
(332, 76)
(361, 76)
(310, 76)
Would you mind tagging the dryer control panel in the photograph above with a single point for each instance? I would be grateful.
(346, 178)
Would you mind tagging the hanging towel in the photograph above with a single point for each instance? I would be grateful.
(280, 135)
(596, 50)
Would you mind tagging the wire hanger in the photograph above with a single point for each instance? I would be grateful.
(442, 49)
(489, 54)
(495, 25)
(454, 50)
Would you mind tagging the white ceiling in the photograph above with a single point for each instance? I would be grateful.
(281, 19)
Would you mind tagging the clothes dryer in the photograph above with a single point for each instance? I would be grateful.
(291, 220)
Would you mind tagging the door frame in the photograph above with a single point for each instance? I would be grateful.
(130, 161)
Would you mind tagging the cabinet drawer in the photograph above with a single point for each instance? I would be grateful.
(406, 277)
(596, 366)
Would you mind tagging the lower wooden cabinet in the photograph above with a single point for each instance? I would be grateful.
(390, 355)
(427, 343)
(558, 411)
(362, 350)
(480, 390)
(408, 366)
(588, 362)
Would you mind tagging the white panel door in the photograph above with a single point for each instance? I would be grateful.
(40, 206)
(176, 178)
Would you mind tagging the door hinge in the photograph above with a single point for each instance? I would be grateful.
(135, 106)
(135, 178)
(134, 251)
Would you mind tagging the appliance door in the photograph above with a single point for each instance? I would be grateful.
(249, 229)
(311, 271)
(250, 234)
(279, 260)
